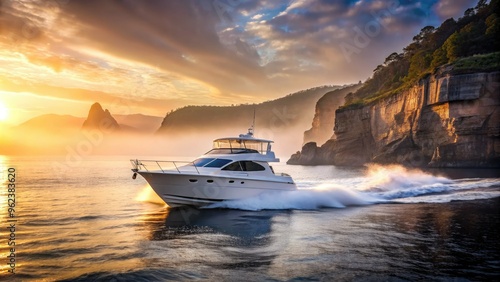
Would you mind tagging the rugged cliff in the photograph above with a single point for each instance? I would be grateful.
(324, 115)
(444, 121)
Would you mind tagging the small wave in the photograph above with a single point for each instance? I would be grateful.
(447, 198)
(397, 178)
(303, 199)
(402, 185)
(151, 274)
(381, 184)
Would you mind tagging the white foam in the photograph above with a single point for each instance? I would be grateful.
(466, 196)
(390, 178)
(301, 199)
(381, 184)
(410, 186)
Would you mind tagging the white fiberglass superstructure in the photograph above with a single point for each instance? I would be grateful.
(235, 168)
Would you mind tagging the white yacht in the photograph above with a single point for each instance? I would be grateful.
(236, 168)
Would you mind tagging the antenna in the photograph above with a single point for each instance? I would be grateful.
(252, 128)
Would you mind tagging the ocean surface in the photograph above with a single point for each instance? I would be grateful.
(86, 220)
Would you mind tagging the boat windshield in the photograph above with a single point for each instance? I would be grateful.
(234, 144)
(210, 162)
(223, 151)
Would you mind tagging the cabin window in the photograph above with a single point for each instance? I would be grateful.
(202, 161)
(211, 162)
(218, 163)
(244, 166)
(233, 167)
(252, 166)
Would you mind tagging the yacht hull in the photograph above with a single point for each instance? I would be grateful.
(201, 190)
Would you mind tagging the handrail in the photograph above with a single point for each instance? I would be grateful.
(179, 166)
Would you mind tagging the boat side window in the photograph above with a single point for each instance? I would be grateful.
(252, 166)
(233, 167)
(218, 163)
(244, 166)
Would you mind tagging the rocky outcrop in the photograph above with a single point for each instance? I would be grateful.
(306, 156)
(324, 115)
(101, 119)
(443, 121)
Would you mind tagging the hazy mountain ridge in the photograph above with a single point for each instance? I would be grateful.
(139, 122)
(53, 134)
(292, 110)
(58, 124)
(194, 127)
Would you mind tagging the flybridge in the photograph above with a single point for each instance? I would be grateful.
(260, 145)
(243, 145)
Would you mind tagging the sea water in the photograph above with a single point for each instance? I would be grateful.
(87, 219)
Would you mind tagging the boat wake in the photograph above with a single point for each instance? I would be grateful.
(302, 199)
(381, 184)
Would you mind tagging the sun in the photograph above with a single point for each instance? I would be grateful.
(4, 112)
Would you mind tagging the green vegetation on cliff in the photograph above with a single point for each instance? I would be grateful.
(477, 63)
(467, 45)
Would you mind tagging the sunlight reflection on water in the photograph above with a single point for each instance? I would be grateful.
(94, 223)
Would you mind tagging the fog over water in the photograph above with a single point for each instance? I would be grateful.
(71, 140)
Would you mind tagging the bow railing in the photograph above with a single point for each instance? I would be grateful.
(164, 166)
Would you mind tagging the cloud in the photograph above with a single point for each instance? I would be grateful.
(446, 9)
(164, 33)
(202, 52)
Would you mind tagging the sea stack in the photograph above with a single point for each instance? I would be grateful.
(101, 119)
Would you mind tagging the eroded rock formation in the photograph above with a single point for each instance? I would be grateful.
(324, 115)
(101, 119)
(443, 121)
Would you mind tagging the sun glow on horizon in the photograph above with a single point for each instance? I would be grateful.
(4, 112)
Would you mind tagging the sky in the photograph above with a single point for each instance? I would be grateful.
(153, 56)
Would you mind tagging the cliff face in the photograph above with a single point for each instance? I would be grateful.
(324, 115)
(444, 121)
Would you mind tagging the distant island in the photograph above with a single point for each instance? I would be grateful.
(437, 104)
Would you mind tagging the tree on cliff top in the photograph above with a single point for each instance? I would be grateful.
(475, 33)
